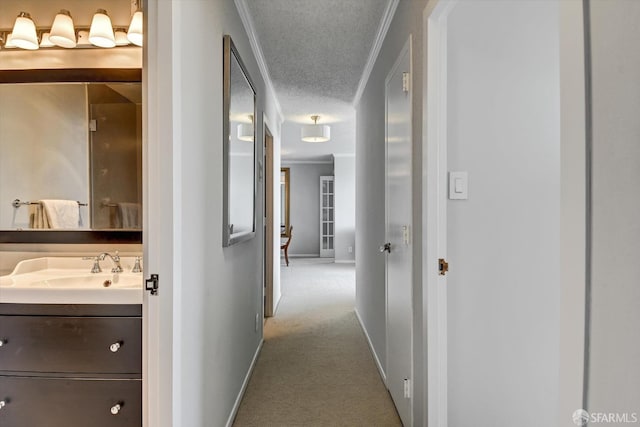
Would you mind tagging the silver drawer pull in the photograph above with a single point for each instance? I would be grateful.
(115, 409)
(2, 404)
(3, 342)
(115, 347)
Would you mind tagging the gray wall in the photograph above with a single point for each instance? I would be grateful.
(614, 368)
(212, 294)
(304, 206)
(370, 208)
(345, 202)
(503, 243)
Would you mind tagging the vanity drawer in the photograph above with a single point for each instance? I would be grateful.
(71, 344)
(60, 402)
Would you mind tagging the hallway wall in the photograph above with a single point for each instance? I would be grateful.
(212, 295)
(614, 371)
(344, 170)
(503, 243)
(370, 204)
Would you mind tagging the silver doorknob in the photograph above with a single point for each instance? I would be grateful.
(115, 347)
(2, 342)
(3, 403)
(115, 409)
(386, 247)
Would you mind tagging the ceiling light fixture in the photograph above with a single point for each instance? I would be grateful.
(63, 32)
(101, 32)
(316, 132)
(245, 130)
(24, 32)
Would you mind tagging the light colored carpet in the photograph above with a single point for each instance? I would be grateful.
(315, 368)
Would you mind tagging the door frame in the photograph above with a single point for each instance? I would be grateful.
(407, 48)
(434, 207)
(268, 221)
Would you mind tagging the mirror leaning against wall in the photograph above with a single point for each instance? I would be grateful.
(70, 160)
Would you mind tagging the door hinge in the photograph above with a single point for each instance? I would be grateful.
(405, 82)
(407, 388)
(93, 125)
(443, 266)
(151, 284)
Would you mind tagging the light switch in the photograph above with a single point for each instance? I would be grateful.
(458, 186)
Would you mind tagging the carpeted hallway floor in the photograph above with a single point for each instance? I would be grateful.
(315, 368)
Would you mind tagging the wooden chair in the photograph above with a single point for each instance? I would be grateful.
(285, 247)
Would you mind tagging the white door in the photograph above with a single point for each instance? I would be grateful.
(398, 230)
(327, 217)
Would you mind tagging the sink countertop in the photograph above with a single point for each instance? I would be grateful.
(68, 280)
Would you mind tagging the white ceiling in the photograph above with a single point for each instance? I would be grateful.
(316, 52)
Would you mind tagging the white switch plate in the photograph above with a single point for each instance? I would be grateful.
(458, 186)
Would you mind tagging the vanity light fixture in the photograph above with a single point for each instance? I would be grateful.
(101, 32)
(121, 37)
(316, 132)
(83, 39)
(245, 130)
(45, 40)
(63, 32)
(24, 32)
(9, 42)
(135, 33)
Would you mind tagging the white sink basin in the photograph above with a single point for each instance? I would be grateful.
(70, 281)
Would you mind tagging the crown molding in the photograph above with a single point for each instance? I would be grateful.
(247, 21)
(385, 23)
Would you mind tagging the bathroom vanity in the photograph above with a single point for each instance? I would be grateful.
(70, 345)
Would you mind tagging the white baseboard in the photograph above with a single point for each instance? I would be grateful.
(303, 256)
(373, 350)
(345, 261)
(236, 405)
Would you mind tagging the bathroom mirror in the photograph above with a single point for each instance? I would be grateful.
(284, 202)
(72, 136)
(239, 149)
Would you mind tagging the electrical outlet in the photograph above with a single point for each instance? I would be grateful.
(350, 249)
(257, 321)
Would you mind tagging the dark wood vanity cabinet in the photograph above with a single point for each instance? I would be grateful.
(70, 365)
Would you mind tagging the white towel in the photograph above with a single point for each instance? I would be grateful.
(61, 213)
(128, 215)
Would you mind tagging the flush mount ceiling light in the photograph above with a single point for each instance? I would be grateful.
(245, 130)
(135, 28)
(24, 32)
(101, 32)
(63, 32)
(316, 132)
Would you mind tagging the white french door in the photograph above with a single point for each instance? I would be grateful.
(327, 217)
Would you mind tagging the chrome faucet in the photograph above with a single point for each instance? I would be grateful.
(136, 267)
(117, 268)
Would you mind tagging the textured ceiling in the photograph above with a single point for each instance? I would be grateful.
(316, 51)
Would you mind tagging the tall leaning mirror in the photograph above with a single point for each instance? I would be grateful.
(239, 149)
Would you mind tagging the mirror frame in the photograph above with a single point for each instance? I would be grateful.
(75, 75)
(229, 51)
(287, 198)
